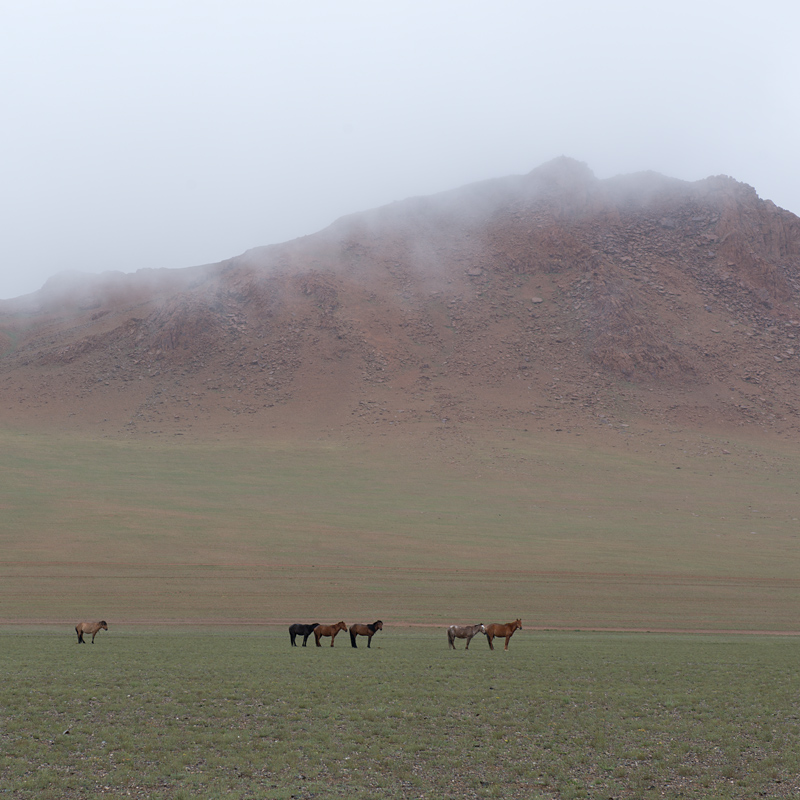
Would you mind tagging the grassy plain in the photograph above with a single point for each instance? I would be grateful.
(561, 535)
(241, 714)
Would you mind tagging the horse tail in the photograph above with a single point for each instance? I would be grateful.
(450, 638)
(353, 638)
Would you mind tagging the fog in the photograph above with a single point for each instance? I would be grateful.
(182, 132)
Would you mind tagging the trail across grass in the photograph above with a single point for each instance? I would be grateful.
(241, 714)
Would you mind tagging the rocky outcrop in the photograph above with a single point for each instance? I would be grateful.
(553, 293)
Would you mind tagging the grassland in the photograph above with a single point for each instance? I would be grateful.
(163, 535)
(559, 535)
(241, 714)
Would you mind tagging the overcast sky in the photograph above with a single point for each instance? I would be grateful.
(170, 133)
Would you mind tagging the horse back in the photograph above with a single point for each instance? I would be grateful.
(329, 630)
(302, 629)
(496, 629)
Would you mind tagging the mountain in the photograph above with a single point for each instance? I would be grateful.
(551, 301)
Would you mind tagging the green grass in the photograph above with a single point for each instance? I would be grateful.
(242, 715)
(562, 536)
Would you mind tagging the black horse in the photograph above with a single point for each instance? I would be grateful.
(298, 629)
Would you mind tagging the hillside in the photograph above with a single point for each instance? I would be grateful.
(552, 301)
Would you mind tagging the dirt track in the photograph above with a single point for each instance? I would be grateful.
(281, 623)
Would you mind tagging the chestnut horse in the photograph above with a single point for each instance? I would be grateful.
(298, 629)
(507, 630)
(365, 630)
(90, 627)
(328, 630)
(463, 632)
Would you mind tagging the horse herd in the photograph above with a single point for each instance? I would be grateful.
(299, 629)
(453, 632)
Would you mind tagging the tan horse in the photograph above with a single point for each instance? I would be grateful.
(507, 630)
(328, 630)
(90, 627)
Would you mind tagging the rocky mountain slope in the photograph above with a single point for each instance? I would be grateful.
(549, 301)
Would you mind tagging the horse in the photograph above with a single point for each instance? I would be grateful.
(365, 630)
(328, 630)
(90, 627)
(507, 630)
(463, 632)
(298, 629)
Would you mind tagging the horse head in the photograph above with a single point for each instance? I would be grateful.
(483, 629)
(517, 624)
(103, 624)
(378, 625)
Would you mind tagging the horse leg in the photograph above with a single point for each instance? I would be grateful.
(80, 637)
(305, 639)
(469, 639)
(291, 636)
(507, 638)
(369, 640)
(353, 640)
(317, 638)
(489, 637)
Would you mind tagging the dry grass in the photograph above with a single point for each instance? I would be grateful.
(560, 535)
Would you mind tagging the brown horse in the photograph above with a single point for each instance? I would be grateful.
(463, 632)
(90, 627)
(328, 630)
(507, 630)
(365, 630)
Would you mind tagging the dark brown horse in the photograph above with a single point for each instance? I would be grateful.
(328, 630)
(507, 630)
(90, 627)
(298, 629)
(365, 630)
(463, 632)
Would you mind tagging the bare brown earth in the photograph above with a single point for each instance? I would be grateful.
(553, 303)
(547, 301)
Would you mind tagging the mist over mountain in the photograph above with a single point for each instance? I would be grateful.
(547, 301)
